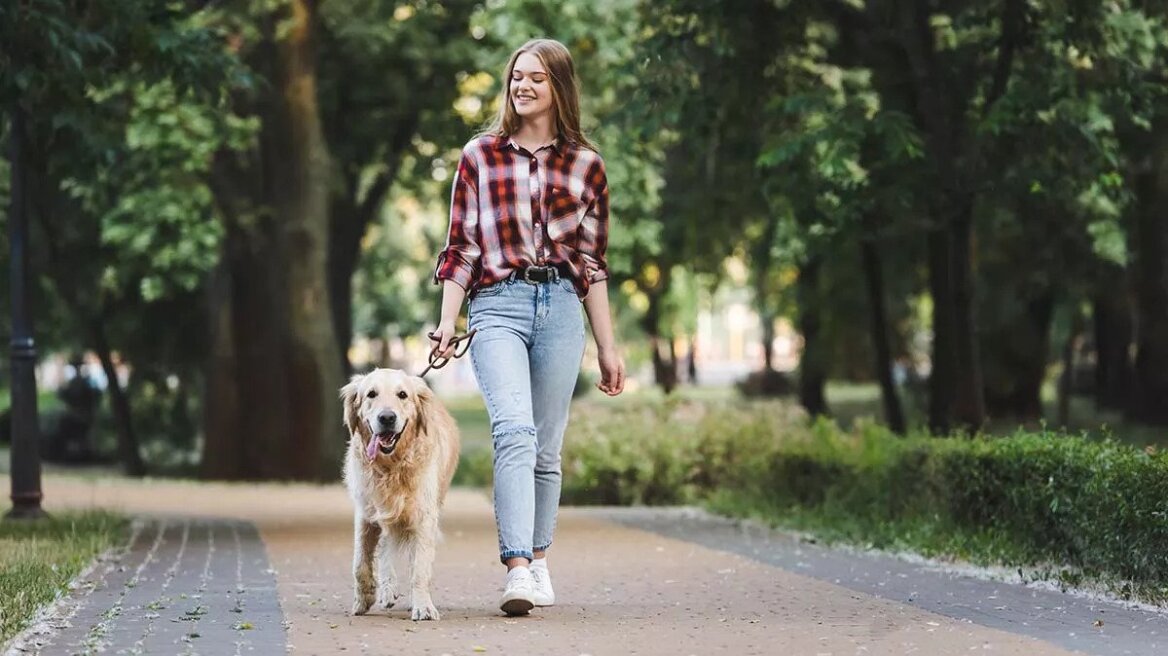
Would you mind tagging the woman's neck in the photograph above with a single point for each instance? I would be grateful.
(534, 132)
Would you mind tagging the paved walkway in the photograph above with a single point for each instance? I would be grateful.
(626, 583)
(183, 586)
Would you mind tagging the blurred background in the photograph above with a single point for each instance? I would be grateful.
(939, 216)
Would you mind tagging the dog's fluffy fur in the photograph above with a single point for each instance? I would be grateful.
(398, 482)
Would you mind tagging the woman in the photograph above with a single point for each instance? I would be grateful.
(528, 232)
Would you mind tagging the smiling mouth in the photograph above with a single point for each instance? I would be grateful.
(384, 442)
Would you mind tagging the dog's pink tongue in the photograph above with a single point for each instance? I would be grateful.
(371, 450)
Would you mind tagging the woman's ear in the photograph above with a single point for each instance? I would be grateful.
(351, 402)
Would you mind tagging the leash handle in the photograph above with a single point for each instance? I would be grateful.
(460, 344)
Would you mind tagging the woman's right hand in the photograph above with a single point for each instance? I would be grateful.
(441, 337)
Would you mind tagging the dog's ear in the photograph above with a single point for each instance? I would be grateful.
(425, 397)
(351, 402)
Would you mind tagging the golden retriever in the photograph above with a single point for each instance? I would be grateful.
(403, 449)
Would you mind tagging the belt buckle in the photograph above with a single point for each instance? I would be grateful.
(544, 269)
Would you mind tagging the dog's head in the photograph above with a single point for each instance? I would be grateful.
(381, 405)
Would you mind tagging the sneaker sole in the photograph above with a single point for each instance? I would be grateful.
(517, 606)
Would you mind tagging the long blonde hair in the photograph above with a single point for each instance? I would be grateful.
(565, 93)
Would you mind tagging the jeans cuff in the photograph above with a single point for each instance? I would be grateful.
(543, 548)
(515, 553)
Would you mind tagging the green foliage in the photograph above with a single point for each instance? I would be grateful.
(1094, 506)
(39, 558)
(150, 196)
(121, 134)
(475, 467)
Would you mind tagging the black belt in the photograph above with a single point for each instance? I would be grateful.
(533, 275)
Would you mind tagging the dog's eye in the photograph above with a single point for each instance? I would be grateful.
(402, 394)
(372, 394)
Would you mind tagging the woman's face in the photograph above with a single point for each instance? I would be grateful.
(531, 87)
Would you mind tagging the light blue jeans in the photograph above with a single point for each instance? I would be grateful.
(526, 357)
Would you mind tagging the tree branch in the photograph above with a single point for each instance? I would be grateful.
(1013, 30)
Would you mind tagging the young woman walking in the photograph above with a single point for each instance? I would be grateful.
(528, 232)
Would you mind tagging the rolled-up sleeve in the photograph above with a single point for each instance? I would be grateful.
(593, 233)
(460, 258)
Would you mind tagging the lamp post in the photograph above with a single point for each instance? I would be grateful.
(25, 456)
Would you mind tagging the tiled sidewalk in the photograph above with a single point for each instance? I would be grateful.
(180, 587)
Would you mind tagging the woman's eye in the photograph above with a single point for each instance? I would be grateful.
(372, 394)
(402, 394)
(538, 79)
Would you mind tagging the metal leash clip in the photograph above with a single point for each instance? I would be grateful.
(460, 344)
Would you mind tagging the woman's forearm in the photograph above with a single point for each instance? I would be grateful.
(452, 297)
(599, 316)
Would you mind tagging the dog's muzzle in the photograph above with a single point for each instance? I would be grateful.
(384, 442)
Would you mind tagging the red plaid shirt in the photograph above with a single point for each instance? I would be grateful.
(511, 209)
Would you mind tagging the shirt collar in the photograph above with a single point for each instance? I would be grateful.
(504, 142)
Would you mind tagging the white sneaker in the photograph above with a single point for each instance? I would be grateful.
(518, 592)
(542, 579)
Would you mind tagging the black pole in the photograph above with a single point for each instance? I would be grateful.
(25, 455)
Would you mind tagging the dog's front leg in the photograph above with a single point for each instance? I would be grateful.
(421, 549)
(386, 576)
(365, 536)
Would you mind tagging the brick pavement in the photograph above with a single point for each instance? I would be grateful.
(181, 586)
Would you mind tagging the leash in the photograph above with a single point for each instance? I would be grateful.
(460, 344)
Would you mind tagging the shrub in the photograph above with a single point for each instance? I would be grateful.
(1098, 506)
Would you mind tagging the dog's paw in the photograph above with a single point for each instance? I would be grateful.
(426, 612)
(387, 597)
(362, 604)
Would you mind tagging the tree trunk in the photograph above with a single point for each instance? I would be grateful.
(349, 219)
(128, 450)
(664, 369)
(275, 368)
(874, 279)
(940, 103)
(761, 259)
(344, 254)
(223, 452)
(1066, 383)
(1151, 284)
(692, 361)
(942, 380)
(813, 361)
(768, 342)
(1016, 359)
(1112, 319)
(969, 400)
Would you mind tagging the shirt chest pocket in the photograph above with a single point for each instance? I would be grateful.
(564, 214)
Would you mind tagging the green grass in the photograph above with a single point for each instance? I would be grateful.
(39, 558)
(929, 538)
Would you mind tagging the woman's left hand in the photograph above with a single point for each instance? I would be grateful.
(612, 372)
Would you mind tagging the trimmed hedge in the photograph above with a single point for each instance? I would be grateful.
(1100, 507)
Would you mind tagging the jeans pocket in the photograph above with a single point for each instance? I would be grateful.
(567, 285)
(491, 290)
